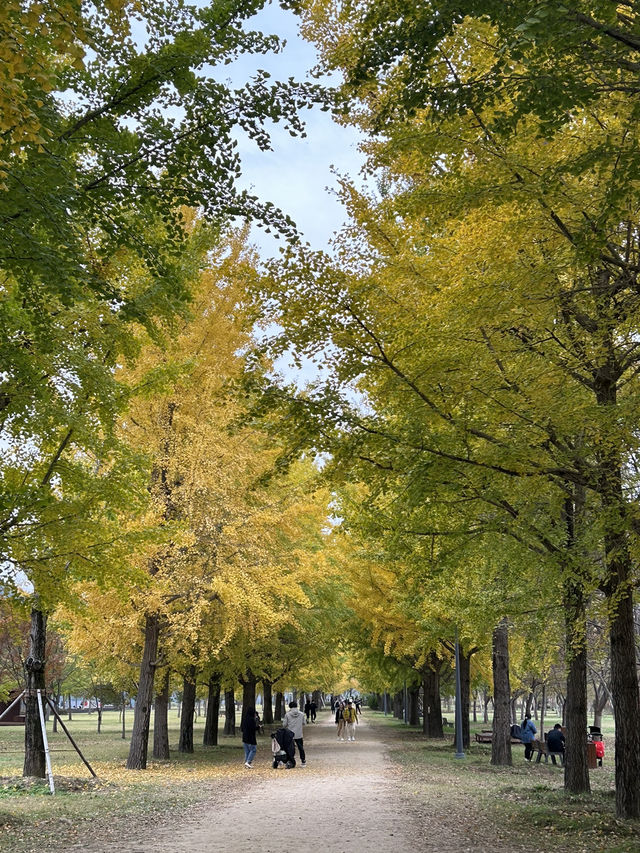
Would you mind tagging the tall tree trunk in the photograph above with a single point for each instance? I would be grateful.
(414, 712)
(465, 695)
(69, 709)
(619, 591)
(576, 771)
(600, 699)
(185, 744)
(398, 704)
(485, 706)
(501, 740)
(248, 693)
(210, 737)
(279, 709)
(229, 712)
(139, 745)
(161, 720)
(267, 705)
(34, 757)
(432, 710)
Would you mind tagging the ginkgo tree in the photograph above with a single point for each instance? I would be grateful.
(484, 306)
(112, 119)
(241, 538)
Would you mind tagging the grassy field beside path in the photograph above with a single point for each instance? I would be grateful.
(524, 805)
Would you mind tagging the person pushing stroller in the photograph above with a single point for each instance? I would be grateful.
(283, 748)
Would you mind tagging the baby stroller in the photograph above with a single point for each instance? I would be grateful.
(283, 749)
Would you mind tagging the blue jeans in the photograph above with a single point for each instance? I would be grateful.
(250, 750)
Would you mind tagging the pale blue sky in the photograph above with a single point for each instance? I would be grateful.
(296, 174)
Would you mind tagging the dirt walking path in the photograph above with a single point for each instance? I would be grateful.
(345, 798)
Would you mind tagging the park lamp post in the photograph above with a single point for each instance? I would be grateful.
(459, 747)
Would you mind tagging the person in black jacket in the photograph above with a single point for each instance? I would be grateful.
(249, 742)
(555, 742)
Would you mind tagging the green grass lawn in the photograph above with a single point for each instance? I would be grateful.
(527, 799)
(33, 820)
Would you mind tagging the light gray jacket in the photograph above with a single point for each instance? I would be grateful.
(294, 720)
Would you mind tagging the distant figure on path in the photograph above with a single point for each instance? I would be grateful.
(313, 708)
(340, 719)
(294, 721)
(527, 734)
(350, 717)
(249, 737)
(307, 709)
(555, 742)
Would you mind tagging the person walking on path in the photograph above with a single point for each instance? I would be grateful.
(340, 720)
(307, 709)
(313, 708)
(249, 742)
(350, 718)
(527, 735)
(294, 721)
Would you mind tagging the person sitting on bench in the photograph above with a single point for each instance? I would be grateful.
(555, 743)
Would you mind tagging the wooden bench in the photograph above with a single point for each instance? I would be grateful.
(486, 736)
(543, 749)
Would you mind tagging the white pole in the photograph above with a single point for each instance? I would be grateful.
(46, 743)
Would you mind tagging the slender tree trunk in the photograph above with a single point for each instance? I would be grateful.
(229, 712)
(576, 771)
(161, 720)
(619, 591)
(398, 704)
(248, 693)
(99, 710)
(210, 737)
(465, 695)
(414, 715)
(34, 757)
(485, 706)
(279, 709)
(432, 720)
(501, 740)
(600, 699)
(185, 744)
(139, 745)
(543, 707)
(267, 710)
(69, 709)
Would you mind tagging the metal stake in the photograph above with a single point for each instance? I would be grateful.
(46, 743)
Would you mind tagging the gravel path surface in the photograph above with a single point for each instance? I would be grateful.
(344, 799)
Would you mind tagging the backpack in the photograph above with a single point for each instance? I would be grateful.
(516, 731)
